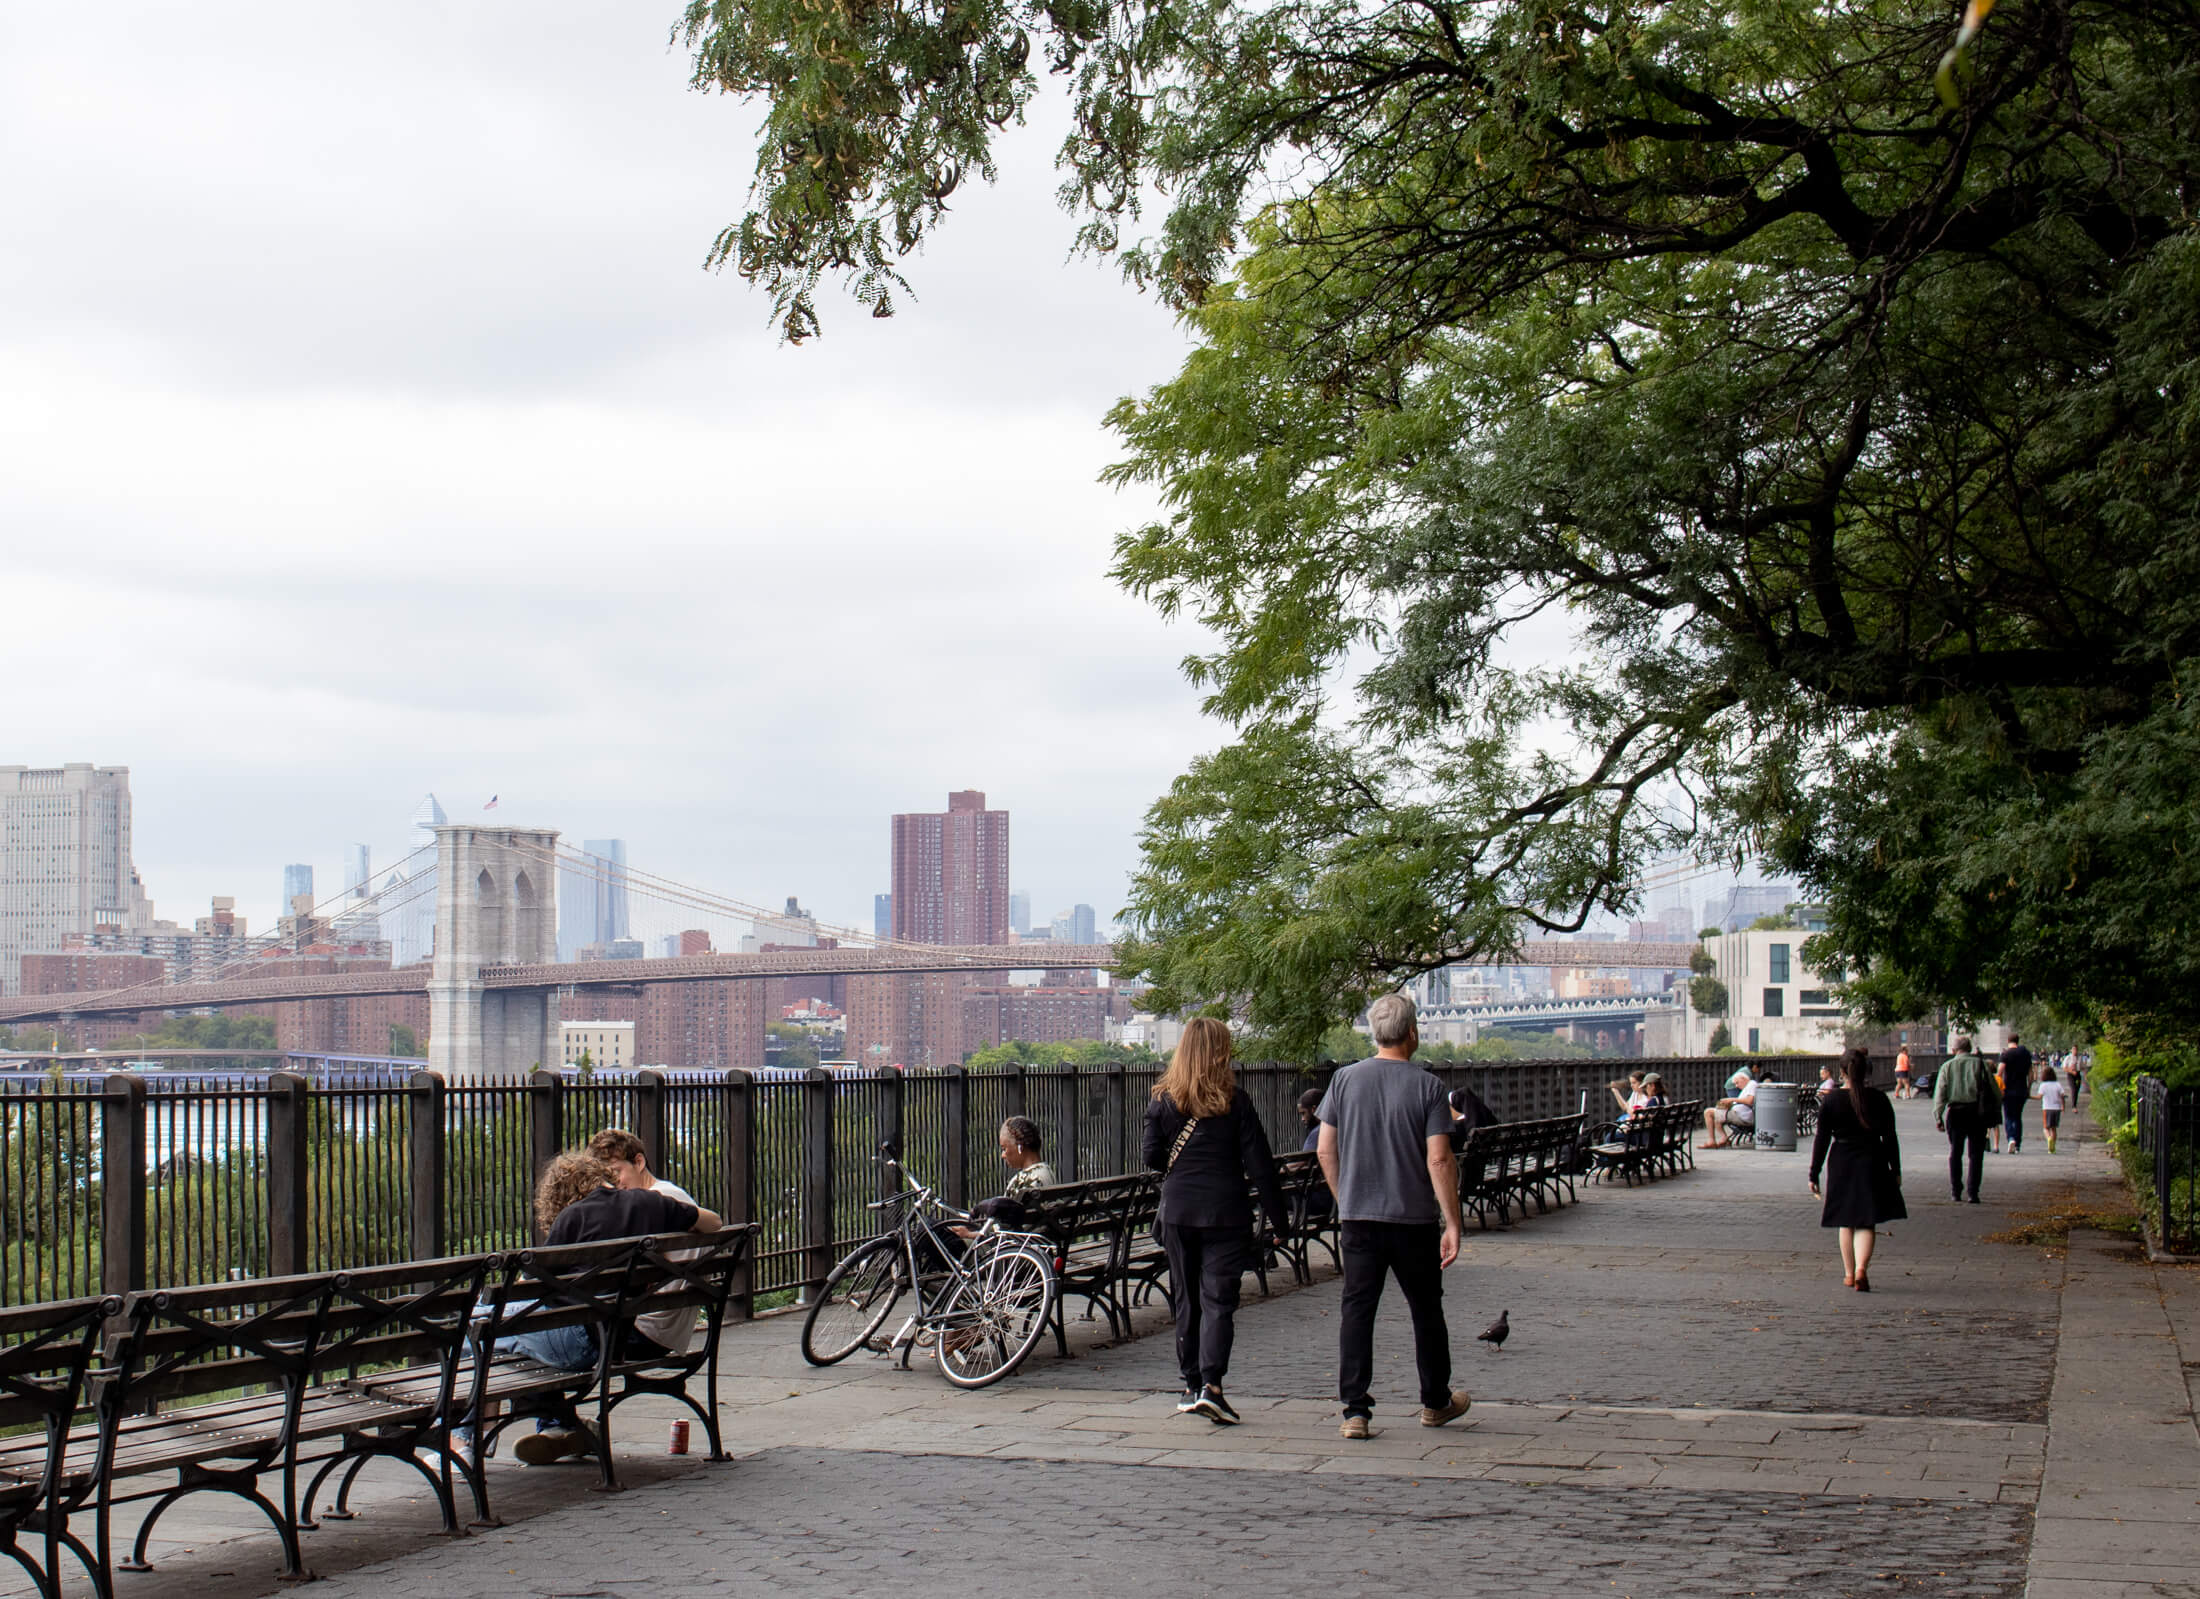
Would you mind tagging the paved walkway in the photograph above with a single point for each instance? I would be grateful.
(1690, 1404)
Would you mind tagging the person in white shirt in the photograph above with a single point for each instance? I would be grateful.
(2051, 1105)
(629, 1163)
(1729, 1117)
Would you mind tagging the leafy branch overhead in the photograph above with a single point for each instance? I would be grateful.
(1611, 427)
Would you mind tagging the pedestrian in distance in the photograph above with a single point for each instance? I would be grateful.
(2016, 1088)
(1860, 1155)
(1902, 1088)
(1386, 1151)
(2052, 1096)
(1206, 1140)
(1966, 1105)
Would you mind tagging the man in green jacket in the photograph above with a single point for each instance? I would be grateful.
(1960, 1089)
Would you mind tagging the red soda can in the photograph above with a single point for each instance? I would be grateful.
(679, 1437)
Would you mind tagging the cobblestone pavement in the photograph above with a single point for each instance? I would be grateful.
(1690, 1404)
(794, 1521)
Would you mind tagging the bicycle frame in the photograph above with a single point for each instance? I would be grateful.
(960, 1259)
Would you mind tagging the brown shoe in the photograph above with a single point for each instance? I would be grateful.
(1353, 1427)
(1461, 1402)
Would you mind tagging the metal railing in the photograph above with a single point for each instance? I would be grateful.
(2168, 1124)
(109, 1183)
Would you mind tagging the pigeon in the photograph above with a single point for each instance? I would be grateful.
(1499, 1330)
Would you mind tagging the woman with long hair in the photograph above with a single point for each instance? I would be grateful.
(1205, 1138)
(1859, 1153)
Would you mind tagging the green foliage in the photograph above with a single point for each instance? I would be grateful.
(1707, 995)
(1700, 962)
(797, 1047)
(1772, 924)
(1853, 435)
(1507, 1046)
(1090, 1052)
(1722, 1041)
(405, 1043)
(1710, 932)
(37, 1037)
(203, 1032)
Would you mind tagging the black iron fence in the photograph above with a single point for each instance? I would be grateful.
(109, 1183)
(2168, 1124)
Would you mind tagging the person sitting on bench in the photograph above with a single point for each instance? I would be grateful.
(579, 1201)
(1737, 1115)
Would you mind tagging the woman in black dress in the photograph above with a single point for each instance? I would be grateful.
(1861, 1157)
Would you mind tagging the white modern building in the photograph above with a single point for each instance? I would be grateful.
(1773, 1000)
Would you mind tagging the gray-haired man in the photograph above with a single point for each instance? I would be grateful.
(1386, 1149)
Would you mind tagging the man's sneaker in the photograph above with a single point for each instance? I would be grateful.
(1461, 1401)
(1214, 1407)
(1189, 1404)
(1353, 1427)
(548, 1448)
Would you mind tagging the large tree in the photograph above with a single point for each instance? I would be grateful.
(1850, 430)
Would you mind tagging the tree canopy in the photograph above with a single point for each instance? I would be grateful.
(1847, 433)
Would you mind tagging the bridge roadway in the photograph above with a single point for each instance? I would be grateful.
(901, 958)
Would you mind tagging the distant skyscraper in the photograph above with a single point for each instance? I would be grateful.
(882, 915)
(951, 873)
(1744, 904)
(297, 880)
(1077, 925)
(1019, 911)
(592, 898)
(358, 870)
(64, 859)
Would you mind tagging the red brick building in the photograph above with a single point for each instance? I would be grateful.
(951, 873)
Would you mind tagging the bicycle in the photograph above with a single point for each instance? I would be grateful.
(984, 1302)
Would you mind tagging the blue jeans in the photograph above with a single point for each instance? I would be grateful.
(567, 1348)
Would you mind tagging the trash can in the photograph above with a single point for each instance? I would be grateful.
(1776, 1115)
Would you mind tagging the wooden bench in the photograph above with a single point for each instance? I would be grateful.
(1505, 1164)
(1654, 1143)
(46, 1353)
(269, 1390)
(1090, 1226)
(1313, 1218)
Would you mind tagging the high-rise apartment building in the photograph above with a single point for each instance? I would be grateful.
(65, 864)
(297, 880)
(951, 873)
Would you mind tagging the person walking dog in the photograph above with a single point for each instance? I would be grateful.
(1386, 1151)
(1205, 1138)
(1861, 1156)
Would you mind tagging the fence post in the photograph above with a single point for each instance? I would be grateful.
(1114, 1096)
(817, 1174)
(957, 1179)
(122, 1155)
(649, 1116)
(429, 1236)
(893, 1116)
(289, 1221)
(546, 1122)
(736, 1164)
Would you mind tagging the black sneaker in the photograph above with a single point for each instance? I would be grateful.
(1214, 1407)
(1189, 1404)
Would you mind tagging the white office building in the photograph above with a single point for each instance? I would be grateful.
(1773, 1001)
(65, 866)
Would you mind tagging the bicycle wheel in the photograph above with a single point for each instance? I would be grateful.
(996, 1316)
(856, 1298)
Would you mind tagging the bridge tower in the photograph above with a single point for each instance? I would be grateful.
(495, 905)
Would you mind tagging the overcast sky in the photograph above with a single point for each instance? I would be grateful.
(370, 428)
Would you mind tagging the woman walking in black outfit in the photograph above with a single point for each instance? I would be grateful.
(1204, 1136)
(1861, 1157)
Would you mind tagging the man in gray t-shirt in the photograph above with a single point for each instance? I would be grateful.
(1385, 1146)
